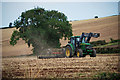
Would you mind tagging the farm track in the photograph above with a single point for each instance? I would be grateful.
(31, 67)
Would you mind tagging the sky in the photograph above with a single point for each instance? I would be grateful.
(73, 10)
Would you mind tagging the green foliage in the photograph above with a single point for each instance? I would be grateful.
(113, 41)
(107, 76)
(103, 47)
(96, 16)
(107, 50)
(41, 28)
(103, 43)
(10, 24)
(108, 44)
(99, 42)
(15, 36)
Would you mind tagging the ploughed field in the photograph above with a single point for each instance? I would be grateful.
(31, 67)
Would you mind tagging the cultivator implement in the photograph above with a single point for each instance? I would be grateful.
(53, 53)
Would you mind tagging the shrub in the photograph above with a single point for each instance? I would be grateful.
(107, 76)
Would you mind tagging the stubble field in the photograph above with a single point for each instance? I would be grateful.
(31, 67)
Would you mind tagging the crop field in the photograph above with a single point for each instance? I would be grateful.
(31, 67)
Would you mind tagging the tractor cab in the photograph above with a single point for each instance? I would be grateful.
(80, 46)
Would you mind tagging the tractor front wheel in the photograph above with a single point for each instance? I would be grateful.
(79, 53)
(93, 53)
(68, 52)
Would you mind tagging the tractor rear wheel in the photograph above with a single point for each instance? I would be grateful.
(68, 52)
(79, 53)
(93, 53)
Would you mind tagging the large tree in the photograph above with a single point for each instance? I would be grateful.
(41, 28)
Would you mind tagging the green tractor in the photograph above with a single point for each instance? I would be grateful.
(79, 46)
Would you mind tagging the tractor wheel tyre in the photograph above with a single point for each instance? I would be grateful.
(93, 53)
(79, 53)
(68, 52)
(84, 55)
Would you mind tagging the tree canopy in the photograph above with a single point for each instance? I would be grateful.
(41, 28)
(96, 16)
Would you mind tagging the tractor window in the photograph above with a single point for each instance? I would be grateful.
(83, 41)
(78, 39)
(72, 40)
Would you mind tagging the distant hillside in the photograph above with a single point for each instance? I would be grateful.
(107, 27)
(8, 50)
